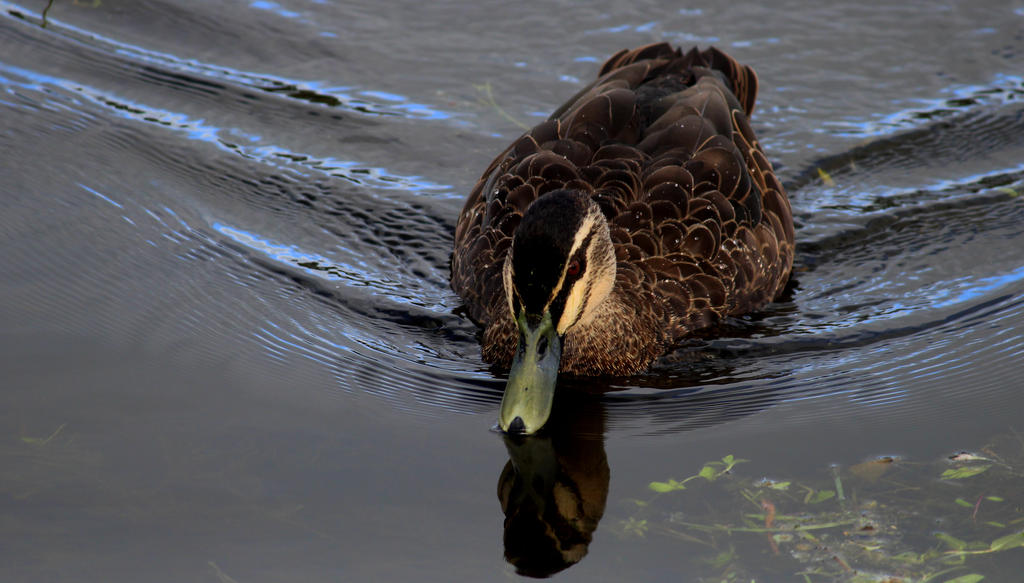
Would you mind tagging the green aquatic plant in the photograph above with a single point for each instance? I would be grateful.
(871, 522)
(710, 472)
(963, 472)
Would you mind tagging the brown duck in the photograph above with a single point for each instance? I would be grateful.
(641, 210)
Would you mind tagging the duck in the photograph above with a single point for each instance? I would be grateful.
(642, 210)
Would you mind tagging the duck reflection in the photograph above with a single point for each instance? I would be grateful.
(554, 487)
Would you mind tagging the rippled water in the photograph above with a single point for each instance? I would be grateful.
(229, 349)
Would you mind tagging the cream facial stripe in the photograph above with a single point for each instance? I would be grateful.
(588, 292)
(506, 276)
(578, 298)
(581, 235)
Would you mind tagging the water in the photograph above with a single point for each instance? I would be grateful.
(229, 350)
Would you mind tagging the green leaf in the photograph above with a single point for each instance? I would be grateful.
(964, 503)
(964, 472)
(995, 524)
(994, 498)
(821, 496)
(906, 557)
(779, 485)
(708, 473)
(951, 541)
(731, 461)
(972, 578)
(669, 486)
(1008, 542)
(634, 526)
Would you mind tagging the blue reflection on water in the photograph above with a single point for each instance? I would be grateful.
(275, 8)
(1003, 88)
(982, 287)
(401, 106)
(100, 196)
(226, 139)
(288, 254)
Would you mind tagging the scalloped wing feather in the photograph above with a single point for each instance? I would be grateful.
(702, 228)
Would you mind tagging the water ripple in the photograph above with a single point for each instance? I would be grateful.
(230, 139)
(1001, 90)
(909, 270)
(359, 102)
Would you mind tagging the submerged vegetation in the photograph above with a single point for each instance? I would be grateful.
(959, 520)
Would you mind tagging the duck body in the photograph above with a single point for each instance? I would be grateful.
(694, 223)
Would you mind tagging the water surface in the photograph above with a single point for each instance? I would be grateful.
(228, 347)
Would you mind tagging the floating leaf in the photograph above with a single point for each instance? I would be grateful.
(731, 461)
(972, 578)
(1008, 542)
(994, 498)
(964, 503)
(964, 472)
(669, 486)
(819, 496)
(708, 473)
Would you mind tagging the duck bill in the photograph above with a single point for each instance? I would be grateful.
(531, 381)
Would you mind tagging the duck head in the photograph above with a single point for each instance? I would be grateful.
(560, 268)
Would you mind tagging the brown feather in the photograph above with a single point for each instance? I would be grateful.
(701, 226)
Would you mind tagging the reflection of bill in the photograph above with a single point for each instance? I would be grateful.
(553, 491)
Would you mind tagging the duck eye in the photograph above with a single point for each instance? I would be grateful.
(573, 269)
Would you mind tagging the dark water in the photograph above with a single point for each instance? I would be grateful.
(228, 347)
